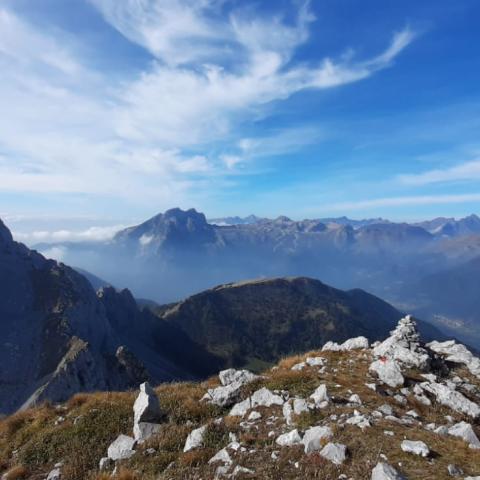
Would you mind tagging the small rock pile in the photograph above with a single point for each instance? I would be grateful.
(147, 419)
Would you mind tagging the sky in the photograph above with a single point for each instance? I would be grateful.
(113, 111)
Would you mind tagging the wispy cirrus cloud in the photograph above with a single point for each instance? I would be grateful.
(402, 201)
(466, 171)
(70, 128)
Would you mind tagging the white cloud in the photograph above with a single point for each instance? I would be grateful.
(145, 239)
(67, 128)
(406, 201)
(55, 253)
(91, 234)
(466, 171)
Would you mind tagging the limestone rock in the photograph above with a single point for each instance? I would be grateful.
(457, 353)
(55, 474)
(144, 430)
(232, 381)
(227, 377)
(415, 447)
(312, 440)
(388, 372)
(465, 431)
(404, 346)
(241, 408)
(265, 398)
(335, 452)
(147, 407)
(147, 413)
(289, 439)
(195, 439)
(453, 399)
(221, 456)
(357, 343)
(294, 406)
(384, 471)
(320, 396)
(122, 448)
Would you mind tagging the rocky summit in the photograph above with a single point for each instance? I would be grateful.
(396, 409)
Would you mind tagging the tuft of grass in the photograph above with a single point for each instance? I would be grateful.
(301, 383)
(182, 402)
(79, 444)
(215, 436)
(16, 473)
(196, 458)
(126, 474)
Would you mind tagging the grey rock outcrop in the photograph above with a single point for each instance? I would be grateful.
(457, 353)
(232, 381)
(357, 343)
(452, 399)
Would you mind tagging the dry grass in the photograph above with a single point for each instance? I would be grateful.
(182, 402)
(94, 420)
(16, 473)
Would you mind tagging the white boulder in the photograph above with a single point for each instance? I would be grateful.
(289, 439)
(221, 456)
(457, 353)
(55, 474)
(147, 407)
(320, 396)
(312, 439)
(453, 399)
(121, 448)
(195, 439)
(266, 398)
(384, 471)
(465, 431)
(241, 408)
(227, 377)
(388, 371)
(335, 452)
(415, 447)
(357, 343)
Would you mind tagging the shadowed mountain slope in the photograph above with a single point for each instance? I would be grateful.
(252, 322)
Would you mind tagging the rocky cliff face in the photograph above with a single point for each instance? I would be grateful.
(59, 337)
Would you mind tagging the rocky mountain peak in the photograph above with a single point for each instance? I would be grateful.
(5, 234)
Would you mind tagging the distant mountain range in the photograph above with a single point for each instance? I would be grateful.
(441, 226)
(177, 253)
(60, 337)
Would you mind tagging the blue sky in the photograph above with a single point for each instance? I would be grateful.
(114, 110)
